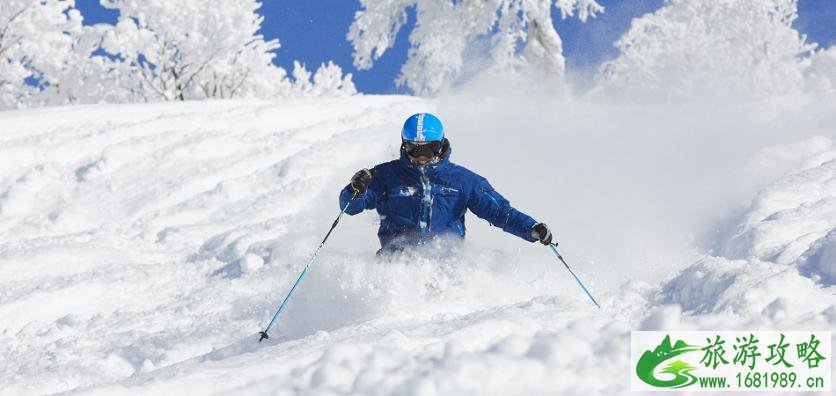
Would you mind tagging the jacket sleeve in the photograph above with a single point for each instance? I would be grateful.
(367, 200)
(486, 203)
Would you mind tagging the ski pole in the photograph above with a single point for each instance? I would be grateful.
(554, 249)
(304, 271)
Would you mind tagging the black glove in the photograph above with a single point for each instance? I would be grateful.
(361, 180)
(541, 233)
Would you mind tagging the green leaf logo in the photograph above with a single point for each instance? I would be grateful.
(663, 352)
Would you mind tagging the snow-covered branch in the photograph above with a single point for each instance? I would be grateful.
(723, 46)
(35, 48)
(517, 32)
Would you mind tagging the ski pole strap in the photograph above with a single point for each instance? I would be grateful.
(554, 249)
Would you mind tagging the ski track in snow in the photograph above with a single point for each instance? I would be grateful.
(145, 245)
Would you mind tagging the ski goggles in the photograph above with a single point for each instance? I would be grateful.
(427, 149)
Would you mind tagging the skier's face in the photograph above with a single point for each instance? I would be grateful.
(420, 160)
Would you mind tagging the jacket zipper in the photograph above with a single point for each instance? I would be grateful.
(426, 203)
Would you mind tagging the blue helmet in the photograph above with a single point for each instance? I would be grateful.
(422, 127)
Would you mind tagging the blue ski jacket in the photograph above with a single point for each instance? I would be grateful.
(418, 203)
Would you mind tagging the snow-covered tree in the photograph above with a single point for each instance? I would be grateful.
(725, 46)
(36, 48)
(181, 49)
(196, 49)
(516, 32)
(85, 75)
(328, 81)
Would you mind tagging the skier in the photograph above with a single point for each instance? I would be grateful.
(422, 195)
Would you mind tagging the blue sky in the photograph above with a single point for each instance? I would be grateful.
(313, 32)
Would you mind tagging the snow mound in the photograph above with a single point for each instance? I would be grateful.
(747, 289)
(792, 222)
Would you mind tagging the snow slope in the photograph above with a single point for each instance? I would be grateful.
(143, 246)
